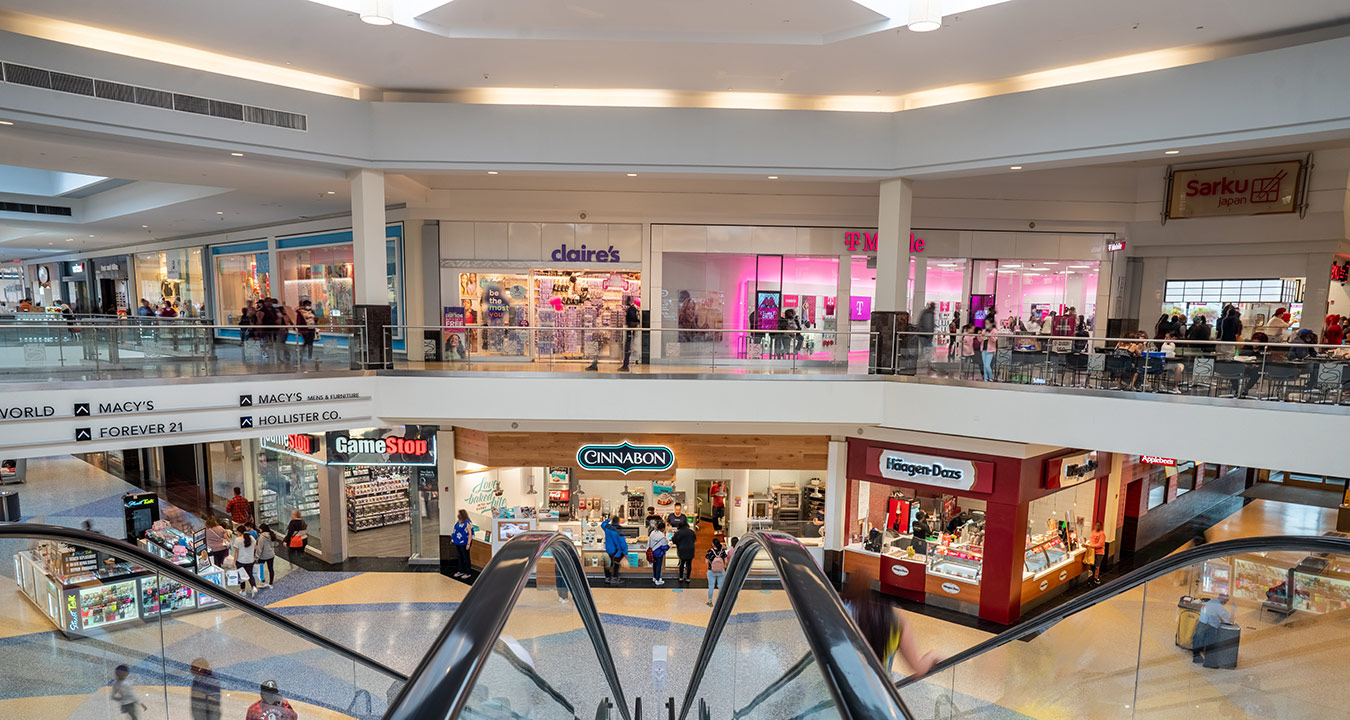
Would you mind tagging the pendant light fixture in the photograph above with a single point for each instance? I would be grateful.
(925, 15)
(377, 12)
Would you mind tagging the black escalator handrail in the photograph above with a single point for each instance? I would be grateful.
(444, 679)
(861, 688)
(1135, 578)
(227, 597)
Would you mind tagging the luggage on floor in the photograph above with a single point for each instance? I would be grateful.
(1188, 616)
(1223, 646)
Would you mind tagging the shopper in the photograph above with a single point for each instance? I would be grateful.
(926, 326)
(657, 545)
(684, 540)
(984, 355)
(297, 535)
(718, 562)
(267, 555)
(1162, 327)
(631, 320)
(306, 325)
(461, 537)
(217, 541)
(1212, 615)
(717, 493)
(1095, 554)
(732, 550)
(616, 548)
(205, 694)
(920, 531)
(883, 627)
(124, 694)
(677, 518)
(1276, 326)
(239, 507)
(1230, 330)
(953, 328)
(1333, 334)
(246, 556)
(271, 705)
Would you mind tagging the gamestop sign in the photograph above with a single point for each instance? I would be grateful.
(915, 469)
(1235, 190)
(408, 449)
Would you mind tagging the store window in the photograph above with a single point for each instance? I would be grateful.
(787, 501)
(1186, 474)
(174, 276)
(943, 531)
(1157, 487)
(227, 472)
(288, 482)
(1257, 299)
(240, 279)
(322, 275)
(1057, 526)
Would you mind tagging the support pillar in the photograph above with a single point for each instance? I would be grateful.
(370, 282)
(893, 224)
(842, 305)
(1316, 292)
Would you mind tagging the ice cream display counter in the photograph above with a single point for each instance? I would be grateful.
(1048, 564)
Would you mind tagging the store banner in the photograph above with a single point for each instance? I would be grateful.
(1071, 470)
(407, 445)
(454, 335)
(931, 470)
(1261, 189)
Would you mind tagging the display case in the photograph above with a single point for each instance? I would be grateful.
(961, 563)
(1216, 578)
(161, 596)
(376, 497)
(1043, 553)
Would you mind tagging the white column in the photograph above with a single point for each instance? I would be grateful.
(739, 510)
(446, 479)
(368, 221)
(842, 302)
(893, 222)
(920, 284)
(836, 482)
(1316, 292)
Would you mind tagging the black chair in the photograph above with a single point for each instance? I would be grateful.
(1120, 368)
(1232, 371)
(1279, 376)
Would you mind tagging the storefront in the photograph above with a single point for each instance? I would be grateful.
(242, 277)
(1164, 493)
(362, 493)
(985, 535)
(173, 276)
(1256, 299)
(510, 482)
(571, 276)
(746, 278)
(112, 285)
(45, 281)
(75, 277)
(11, 285)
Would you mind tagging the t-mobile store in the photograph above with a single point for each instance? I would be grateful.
(746, 278)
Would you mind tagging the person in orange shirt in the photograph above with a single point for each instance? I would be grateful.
(1097, 548)
(238, 507)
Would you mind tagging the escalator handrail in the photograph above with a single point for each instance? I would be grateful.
(443, 681)
(861, 688)
(226, 596)
(1152, 571)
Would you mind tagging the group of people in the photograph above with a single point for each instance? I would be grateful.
(268, 322)
(167, 308)
(251, 548)
(204, 696)
(1230, 328)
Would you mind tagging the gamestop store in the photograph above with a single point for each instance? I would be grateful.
(362, 493)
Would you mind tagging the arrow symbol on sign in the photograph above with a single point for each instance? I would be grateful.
(245, 401)
(82, 434)
(81, 409)
(246, 422)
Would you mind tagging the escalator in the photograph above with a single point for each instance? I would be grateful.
(83, 604)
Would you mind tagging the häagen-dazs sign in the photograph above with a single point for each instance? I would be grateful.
(1235, 190)
(927, 470)
(625, 457)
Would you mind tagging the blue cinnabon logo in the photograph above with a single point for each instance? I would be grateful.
(625, 457)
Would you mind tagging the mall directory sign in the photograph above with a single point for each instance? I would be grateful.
(626, 458)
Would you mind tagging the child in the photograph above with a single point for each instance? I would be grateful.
(124, 694)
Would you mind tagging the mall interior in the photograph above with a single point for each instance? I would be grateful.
(915, 359)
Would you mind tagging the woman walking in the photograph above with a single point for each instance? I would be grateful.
(217, 541)
(718, 560)
(657, 545)
(267, 555)
(246, 556)
(297, 536)
(461, 537)
(205, 703)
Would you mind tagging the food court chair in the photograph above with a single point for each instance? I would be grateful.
(1279, 376)
(1229, 374)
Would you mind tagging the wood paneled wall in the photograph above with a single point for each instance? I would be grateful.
(703, 452)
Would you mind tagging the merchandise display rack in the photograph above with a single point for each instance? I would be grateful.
(376, 497)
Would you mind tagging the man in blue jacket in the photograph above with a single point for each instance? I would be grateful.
(616, 547)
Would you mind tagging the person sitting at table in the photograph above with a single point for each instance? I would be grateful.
(1133, 349)
(1174, 367)
(1301, 351)
(1333, 334)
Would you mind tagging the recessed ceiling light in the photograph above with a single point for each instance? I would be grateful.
(70, 239)
(377, 12)
(924, 15)
(632, 174)
(1171, 152)
(773, 177)
(1081, 267)
(5, 122)
(332, 192)
(91, 236)
(237, 154)
(1015, 167)
(492, 172)
(220, 212)
(145, 226)
(1012, 266)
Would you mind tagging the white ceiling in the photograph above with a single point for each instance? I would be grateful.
(609, 43)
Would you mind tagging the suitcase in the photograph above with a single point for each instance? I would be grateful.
(1223, 647)
(1188, 617)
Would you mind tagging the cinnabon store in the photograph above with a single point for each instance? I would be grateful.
(986, 535)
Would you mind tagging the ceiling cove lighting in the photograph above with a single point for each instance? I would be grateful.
(5, 122)
(377, 12)
(236, 154)
(924, 15)
(1171, 152)
(492, 172)
(1015, 167)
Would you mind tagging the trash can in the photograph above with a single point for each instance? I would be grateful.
(9, 506)
(1223, 647)
(1188, 617)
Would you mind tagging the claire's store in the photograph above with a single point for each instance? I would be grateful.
(363, 493)
(498, 278)
(981, 534)
(569, 482)
(746, 279)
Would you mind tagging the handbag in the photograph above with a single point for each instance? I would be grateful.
(296, 542)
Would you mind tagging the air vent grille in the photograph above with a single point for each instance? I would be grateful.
(32, 209)
(104, 89)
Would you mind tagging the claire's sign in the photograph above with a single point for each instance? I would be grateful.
(1259, 189)
(625, 457)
